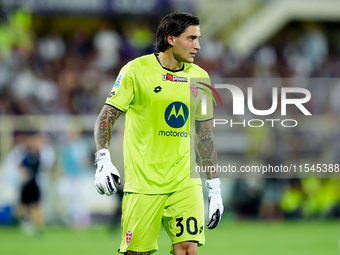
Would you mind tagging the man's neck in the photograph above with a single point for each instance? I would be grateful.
(168, 61)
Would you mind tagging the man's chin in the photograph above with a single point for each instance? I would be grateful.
(190, 60)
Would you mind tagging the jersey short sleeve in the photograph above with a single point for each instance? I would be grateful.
(202, 87)
(122, 92)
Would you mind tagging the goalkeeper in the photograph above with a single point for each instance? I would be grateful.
(162, 117)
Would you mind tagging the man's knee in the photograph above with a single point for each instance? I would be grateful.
(185, 248)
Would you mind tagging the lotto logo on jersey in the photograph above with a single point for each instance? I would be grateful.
(112, 93)
(170, 77)
(128, 237)
(176, 114)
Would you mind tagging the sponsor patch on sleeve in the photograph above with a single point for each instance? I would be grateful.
(119, 80)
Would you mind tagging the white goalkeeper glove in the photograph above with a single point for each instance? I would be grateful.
(106, 173)
(215, 209)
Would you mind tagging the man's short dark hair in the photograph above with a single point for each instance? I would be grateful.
(174, 23)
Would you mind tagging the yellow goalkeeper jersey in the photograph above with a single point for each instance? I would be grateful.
(161, 108)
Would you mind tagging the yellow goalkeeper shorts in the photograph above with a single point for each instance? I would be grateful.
(181, 213)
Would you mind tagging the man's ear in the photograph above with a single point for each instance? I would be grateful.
(170, 39)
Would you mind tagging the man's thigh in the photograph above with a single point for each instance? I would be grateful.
(141, 221)
(183, 217)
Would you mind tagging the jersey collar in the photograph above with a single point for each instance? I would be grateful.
(174, 71)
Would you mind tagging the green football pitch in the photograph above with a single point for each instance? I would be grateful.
(230, 237)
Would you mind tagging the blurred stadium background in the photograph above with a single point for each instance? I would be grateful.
(58, 61)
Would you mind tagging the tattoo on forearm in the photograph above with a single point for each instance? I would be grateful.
(206, 147)
(104, 126)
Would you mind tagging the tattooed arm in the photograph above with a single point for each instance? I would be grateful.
(104, 126)
(106, 173)
(206, 149)
(206, 146)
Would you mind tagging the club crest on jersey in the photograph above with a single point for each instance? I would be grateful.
(170, 77)
(128, 237)
(194, 90)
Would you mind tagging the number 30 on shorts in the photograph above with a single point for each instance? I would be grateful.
(190, 225)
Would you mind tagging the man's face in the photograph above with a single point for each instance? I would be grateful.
(186, 45)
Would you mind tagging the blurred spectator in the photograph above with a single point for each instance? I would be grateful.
(29, 210)
(26, 175)
(79, 43)
(140, 37)
(52, 46)
(45, 93)
(22, 90)
(246, 198)
(29, 205)
(75, 163)
(270, 202)
(322, 198)
(314, 48)
(211, 55)
(108, 43)
(292, 198)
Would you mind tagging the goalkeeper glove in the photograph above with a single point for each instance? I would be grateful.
(215, 209)
(106, 173)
